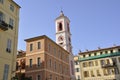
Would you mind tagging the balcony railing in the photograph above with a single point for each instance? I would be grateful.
(108, 65)
(100, 56)
(3, 25)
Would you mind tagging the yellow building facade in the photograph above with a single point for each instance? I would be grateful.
(77, 67)
(9, 19)
(101, 64)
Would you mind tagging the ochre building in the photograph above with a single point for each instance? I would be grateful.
(46, 60)
(9, 20)
(101, 64)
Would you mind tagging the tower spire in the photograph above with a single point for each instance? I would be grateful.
(61, 13)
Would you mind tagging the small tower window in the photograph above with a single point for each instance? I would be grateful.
(68, 27)
(60, 27)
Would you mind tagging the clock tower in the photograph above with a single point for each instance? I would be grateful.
(63, 38)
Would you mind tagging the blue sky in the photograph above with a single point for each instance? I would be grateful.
(94, 23)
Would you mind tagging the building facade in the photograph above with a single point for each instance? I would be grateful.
(63, 38)
(45, 60)
(77, 67)
(20, 65)
(9, 20)
(101, 64)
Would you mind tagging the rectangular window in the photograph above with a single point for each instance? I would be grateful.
(31, 47)
(86, 74)
(6, 71)
(111, 51)
(38, 77)
(11, 23)
(39, 45)
(2, 16)
(119, 59)
(92, 74)
(102, 62)
(55, 65)
(50, 63)
(98, 73)
(30, 62)
(11, 7)
(118, 50)
(77, 70)
(78, 77)
(9, 44)
(38, 61)
(85, 64)
(91, 64)
(96, 63)
(1, 1)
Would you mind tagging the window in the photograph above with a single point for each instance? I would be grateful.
(83, 56)
(78, 77)
(119, 59)
(98, 73)
(85, 64)
(30, 62)
(89, 55)
(9, 44)
(31, 47)
(96, 63)
(1, 1)
(39, 45)
(76, 62)
(6, 71)
(77, 69)
(92, 74)
(118, 50)
(95, 54)
(102, 62)
(2, 17)
(91, 64)
(38, 77)
(106, 52)
(38, 61)
(111, 51)
(11, 7)
(55, 51)
(11, 23)
(108, 62)
(86, 74)
(49, 47)
(68, 27)
(50, 63)
(55, 65)
(60, 27)
(101, 53)
(116, 71)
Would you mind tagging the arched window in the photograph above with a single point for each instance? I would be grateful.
(60, 27)
(1, 16)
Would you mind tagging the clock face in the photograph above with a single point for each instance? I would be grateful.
(60, 38)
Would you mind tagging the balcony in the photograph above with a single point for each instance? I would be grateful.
(108, 65)
(3, 25)
(100, 56)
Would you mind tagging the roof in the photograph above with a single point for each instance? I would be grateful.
(99, 50)
(43, 36)
(62, 16)
(15, 3)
